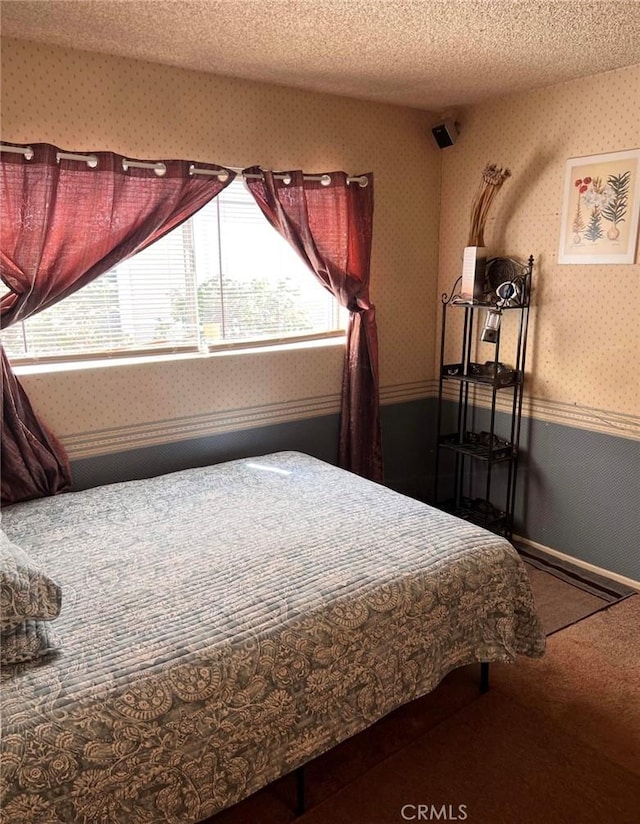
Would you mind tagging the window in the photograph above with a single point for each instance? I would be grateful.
(223, 277)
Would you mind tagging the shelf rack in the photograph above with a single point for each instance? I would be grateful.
(485, 448)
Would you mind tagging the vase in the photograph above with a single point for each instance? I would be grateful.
(474, 264)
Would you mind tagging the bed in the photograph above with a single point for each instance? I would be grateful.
(222, 626)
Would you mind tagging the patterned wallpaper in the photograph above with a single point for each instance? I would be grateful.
(81, 101)
(583, 342)
(584, 350)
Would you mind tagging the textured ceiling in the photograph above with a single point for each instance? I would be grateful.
(432, 54)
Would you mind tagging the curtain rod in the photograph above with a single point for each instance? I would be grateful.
(160, 168)
(325, 180)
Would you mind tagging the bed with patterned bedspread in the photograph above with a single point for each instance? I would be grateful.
(222, 626)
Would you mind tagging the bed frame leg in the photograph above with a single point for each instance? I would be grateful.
(300, 788)
(300, 799)
(484, 676)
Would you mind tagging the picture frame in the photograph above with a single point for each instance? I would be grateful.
(600, 209)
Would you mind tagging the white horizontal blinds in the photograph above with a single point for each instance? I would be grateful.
(205, 233)
(140, 304)
(224, 275)
(155, 305)
(267, 291)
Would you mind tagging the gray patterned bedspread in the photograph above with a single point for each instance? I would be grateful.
(221, 626)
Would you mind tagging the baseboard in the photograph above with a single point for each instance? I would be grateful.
(605, 573)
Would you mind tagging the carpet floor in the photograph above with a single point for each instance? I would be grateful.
(497, 761)
(555, 740)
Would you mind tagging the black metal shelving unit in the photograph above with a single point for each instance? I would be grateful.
(468, 496)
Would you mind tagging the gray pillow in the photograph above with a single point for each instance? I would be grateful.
(28, 642)
(26, 591)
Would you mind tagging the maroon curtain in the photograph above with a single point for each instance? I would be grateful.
(63, 223)
(330, 226)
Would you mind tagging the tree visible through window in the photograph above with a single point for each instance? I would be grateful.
(224, 276)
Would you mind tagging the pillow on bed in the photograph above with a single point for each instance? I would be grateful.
(26, 591)
(29, 641)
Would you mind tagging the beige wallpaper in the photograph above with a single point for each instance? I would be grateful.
(584, 352)
(83, 101)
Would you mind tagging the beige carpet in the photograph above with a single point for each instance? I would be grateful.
(499, 762)
(588, 683)
(555, 740)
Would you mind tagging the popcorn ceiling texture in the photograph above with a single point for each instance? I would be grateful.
(423, 53)
(83, 101)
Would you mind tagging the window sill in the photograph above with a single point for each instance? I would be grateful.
(45, 367)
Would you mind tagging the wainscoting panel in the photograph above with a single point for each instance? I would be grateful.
(408, 443)
(577, 489)
(580, 495)
(406, 432)
(315, 436)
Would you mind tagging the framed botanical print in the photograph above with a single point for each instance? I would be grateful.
(600, 209)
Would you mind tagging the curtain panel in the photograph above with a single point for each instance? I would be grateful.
(330, 226)
(62, 224)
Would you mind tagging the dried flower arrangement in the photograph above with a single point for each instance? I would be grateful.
(492, 180)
